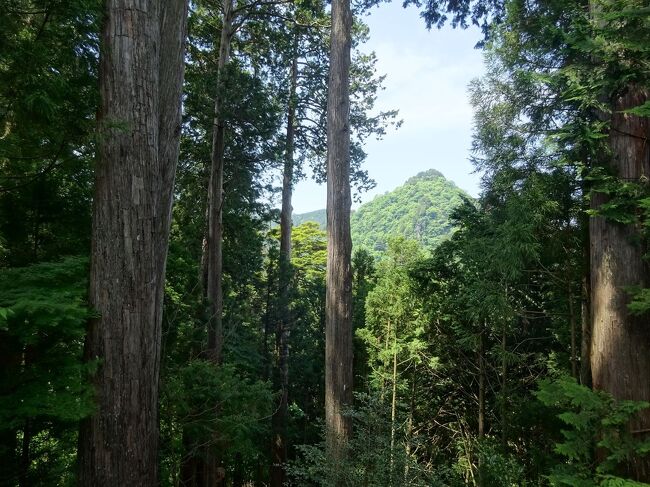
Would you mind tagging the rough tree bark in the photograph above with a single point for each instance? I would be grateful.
(279, 447)
(620, 347)
(141, 77)
(338, 326)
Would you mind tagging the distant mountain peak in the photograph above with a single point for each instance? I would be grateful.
(426, 175)
(419, 209)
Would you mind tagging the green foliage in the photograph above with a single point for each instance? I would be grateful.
(44, 314)
(393, 326)
(218, 408)
(44, 386)
(369, 459)
(48, 100)
(595, 422)
(418, 210)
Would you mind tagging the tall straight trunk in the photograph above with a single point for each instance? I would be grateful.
(620, 349)
(338, 321)
(574, 332)
(279, 449)
(141, 78)
(208, 470)
(481, 403)
(409, 424)
(481, 385)
(213, 245)
(393, 411)
(10, 366)
(585, 335)
(25, 461)
(504, 390)
(585, 300)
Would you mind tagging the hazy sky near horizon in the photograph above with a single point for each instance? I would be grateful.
(427, 75)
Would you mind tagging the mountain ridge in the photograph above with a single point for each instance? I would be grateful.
(418, 209)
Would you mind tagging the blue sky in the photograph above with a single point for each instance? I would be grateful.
(427, 77)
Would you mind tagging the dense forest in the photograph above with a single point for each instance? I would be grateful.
(163, 322)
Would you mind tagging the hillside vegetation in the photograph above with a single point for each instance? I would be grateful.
(417, 210)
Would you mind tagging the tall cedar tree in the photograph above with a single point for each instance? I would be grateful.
(141, 78)
(279, 448)
(338, 308)
(620, 346)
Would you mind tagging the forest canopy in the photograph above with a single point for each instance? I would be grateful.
(165, 318)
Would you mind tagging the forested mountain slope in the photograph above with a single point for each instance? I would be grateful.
(418, 210)
(318, 216)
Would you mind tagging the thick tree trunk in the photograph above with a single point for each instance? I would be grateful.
(279, 449)
(338, 327)
(620, 347)
(141, 76)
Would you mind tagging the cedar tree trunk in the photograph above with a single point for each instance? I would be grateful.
(141, 77)
(279, 447)
(338, 321)
(620, 347)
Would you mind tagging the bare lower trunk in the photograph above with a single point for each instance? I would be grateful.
(504, 390)
(620, 347)
(409, 424)
(573, 330)
(338, 326)
(25, 461)
(393, 412)
(213, 245)
(279, 449)
(10, 360)
(209, 472)
(141, 76)
(481, 402)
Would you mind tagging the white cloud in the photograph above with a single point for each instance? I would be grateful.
(430, 94)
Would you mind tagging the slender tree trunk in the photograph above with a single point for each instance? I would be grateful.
(393, 411)
(481, 401)
(279, 449)
(409, 425)
(585, 335)
(141, 77)
(585, 298)
(267, 319)
(620, 353)
(25, 455)
(504, 390)
(574, 332)
(213, 245)
(338, 328)
(386, 361)
(212, 257)
(10, 360)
